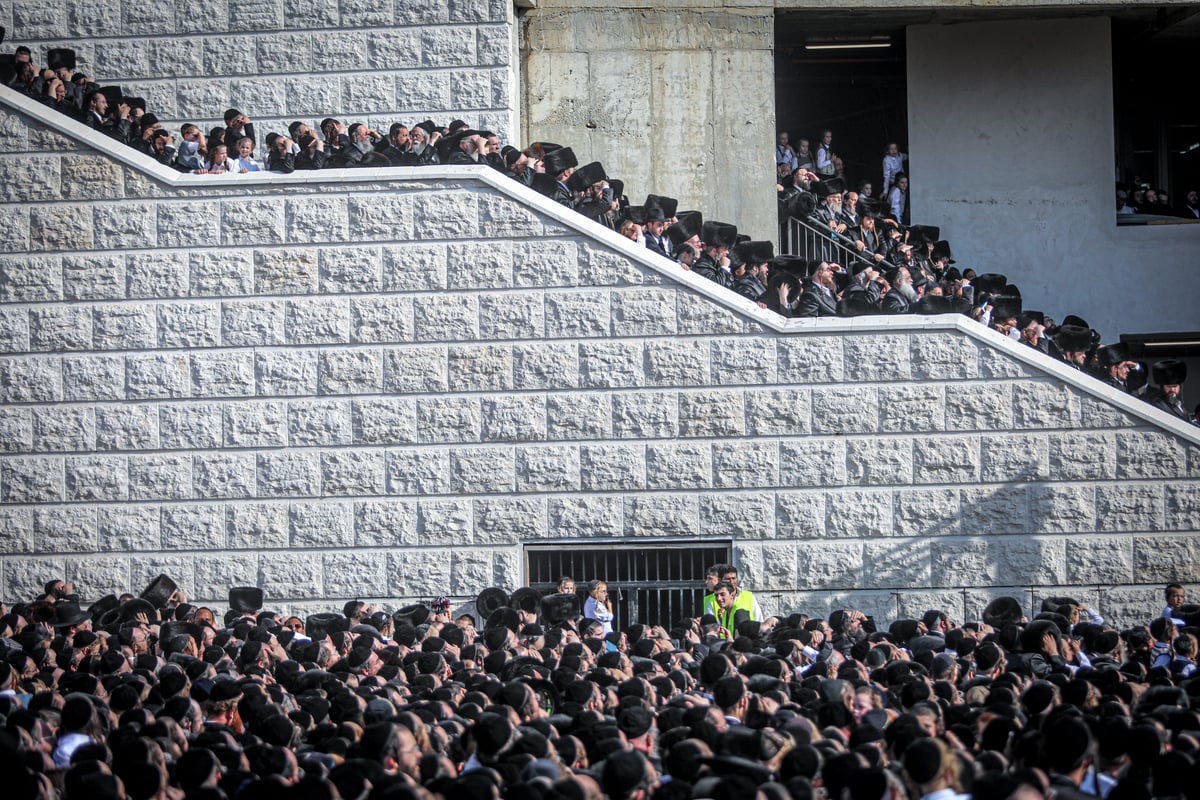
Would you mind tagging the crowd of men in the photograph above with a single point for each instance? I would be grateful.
(895, 268)
(1138, 197)
(876, 263)
(155, 697)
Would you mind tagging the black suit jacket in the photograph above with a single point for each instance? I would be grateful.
(233, 137)
(816, 302)
(894, 303)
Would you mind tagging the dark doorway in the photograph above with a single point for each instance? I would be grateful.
(652, 583)
(846, 74)
(1157, 120)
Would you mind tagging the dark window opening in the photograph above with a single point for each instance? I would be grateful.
(847, 74)
(653, 582)
(1156, 118)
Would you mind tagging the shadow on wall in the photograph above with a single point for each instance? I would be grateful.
(1028, 541)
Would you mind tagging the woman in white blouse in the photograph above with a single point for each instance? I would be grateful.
(598, 606)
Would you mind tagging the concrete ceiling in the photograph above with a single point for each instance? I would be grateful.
(1166, 22)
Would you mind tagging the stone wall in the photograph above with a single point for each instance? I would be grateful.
(383, 383)
(675, 98)
(279, 60)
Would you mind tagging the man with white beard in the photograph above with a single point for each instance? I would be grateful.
(828, 215)
(424, 136)
(902, 295)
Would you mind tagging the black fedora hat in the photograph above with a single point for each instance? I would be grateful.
(504, 618)
(102, 606)
(559, 608)
(414, 615)
(490, 600)
(1112, 354)
(684, 228)
(131, 608)
(68, 613)
(989, 283)
(317, 626)
(1073, 338)
(114, 94)
(525, 599)
(159, 591)
(718, 234)
(656, 203)
(60, 58)
(585, 176)
(559, 160)
(1170, 372)
(245, 599)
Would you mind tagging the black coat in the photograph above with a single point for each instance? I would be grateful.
(232, 137)
(307, 160)
(1156, 398)
(816, 302)
(858, 299)
(894, 303)
(281, 162)
(705, 267)
(109, 126)
(750, 287)
(660, 245)
(461, 157)
(562, 195)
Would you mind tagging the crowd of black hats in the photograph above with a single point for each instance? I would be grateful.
(154, 697)
(891, 268)
(333, 144)
(886, 267)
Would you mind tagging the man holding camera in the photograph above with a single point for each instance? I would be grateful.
(237, 127)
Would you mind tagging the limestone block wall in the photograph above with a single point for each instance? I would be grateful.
(383, 384)
(279, 60)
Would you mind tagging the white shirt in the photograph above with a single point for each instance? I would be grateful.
(824, 162)
(891, 166)
(897, 200)
(249, 164)
(593, 610)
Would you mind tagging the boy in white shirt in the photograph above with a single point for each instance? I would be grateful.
(893, 165)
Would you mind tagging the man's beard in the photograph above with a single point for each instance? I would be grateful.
(907, 291)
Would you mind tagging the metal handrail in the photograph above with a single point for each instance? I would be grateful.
(800, 238)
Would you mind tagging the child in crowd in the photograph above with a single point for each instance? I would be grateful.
(192, 149)
(1184, 663)
(219, 161)
(598, 606)
(245, 161)
(893, 165)
(631, 231)
(1175, 596)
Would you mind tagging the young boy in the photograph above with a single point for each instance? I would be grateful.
(1184, 663)
(192, 149)
(1175, 596)
(893, 165)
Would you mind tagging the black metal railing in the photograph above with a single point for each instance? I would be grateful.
(654, 583)
(800, 238)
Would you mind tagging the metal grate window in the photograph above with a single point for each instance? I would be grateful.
(653, 583)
